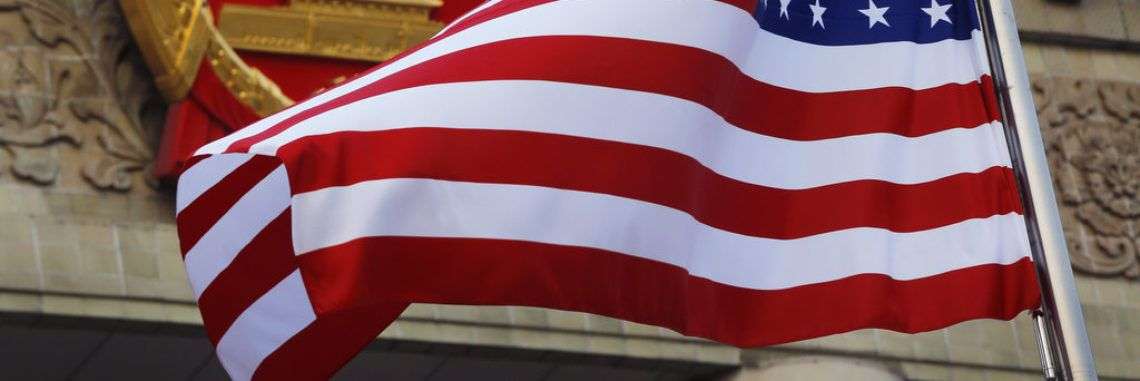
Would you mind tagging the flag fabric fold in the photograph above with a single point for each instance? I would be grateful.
(753, 173)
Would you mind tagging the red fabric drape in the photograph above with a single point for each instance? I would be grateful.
(208, 112)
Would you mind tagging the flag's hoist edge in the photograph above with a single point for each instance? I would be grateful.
(773, 161)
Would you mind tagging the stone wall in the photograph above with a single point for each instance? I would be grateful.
(1080, 21)
(83, 232)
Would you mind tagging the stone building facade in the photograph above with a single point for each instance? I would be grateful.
(92, 285)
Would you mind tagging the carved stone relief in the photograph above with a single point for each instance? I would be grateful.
(68, 81)
(1092, 132)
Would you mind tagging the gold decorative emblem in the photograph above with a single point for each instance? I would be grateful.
(368, 30)
(172, 36)
(247, 84)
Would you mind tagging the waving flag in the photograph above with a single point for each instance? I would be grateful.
(749, 173)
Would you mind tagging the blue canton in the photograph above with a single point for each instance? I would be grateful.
(857, 22)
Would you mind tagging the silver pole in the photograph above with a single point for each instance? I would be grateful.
(1045, 340)
(1062, 310)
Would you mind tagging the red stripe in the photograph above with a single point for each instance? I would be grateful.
(688, 73)
(322, 348)
(745, 5)
(205, 211)
(672, 179)
(260, 265)
(440, 270)
(501, 9)
(507, 7)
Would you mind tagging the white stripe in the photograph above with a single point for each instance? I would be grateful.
(263, 327)
(204, 175)
(434, 208)
(252, 213)
(710, 25)
(665, 122)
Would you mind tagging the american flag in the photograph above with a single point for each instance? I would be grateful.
(749, 173)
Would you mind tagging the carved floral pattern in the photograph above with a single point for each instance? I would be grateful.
(66, 80)
(1092, 132)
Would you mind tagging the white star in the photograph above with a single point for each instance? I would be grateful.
(875, 14)
(784, 8)
(937, 12)
(817, 14)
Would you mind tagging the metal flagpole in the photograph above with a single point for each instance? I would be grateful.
(1065, 352)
